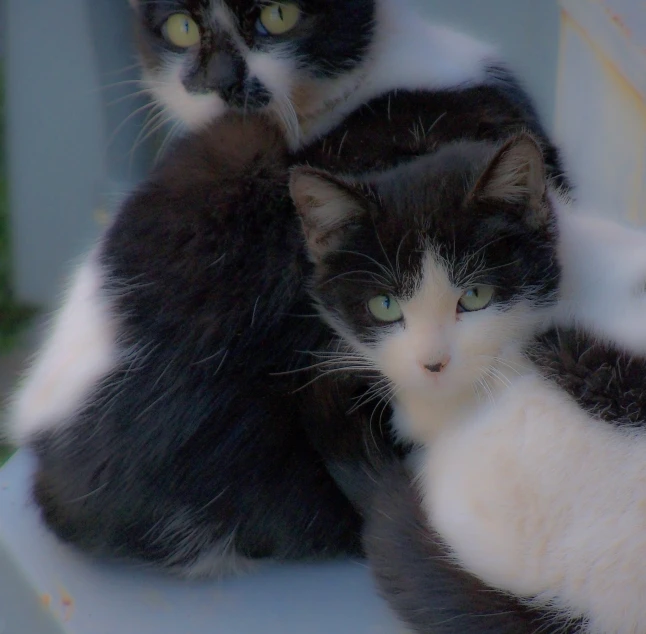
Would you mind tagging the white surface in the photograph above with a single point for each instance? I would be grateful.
(601, 105)
(62, 587)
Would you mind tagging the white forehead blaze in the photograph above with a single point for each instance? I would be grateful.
(426, 332)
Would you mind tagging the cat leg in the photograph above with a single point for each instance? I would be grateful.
(79, 351)
(603, 286)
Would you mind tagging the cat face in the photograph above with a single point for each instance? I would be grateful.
(201, 57)
(436, 271)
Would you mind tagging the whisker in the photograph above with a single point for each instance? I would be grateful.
(134, 113)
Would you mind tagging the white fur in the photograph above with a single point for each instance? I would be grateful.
(470, 344)
(79, 351)
(539, 499)
(214, 560)
(604, 277)
(168, 90)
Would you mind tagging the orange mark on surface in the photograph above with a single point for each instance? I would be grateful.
(610, 70)
(45, 600)
(619, 21)
(68, 604)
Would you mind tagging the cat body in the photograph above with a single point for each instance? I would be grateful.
(157, 408)
(438, 275)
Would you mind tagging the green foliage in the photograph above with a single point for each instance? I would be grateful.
(13, 317)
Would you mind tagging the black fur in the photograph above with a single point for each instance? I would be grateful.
(412, 123)
(198, 426)
(606, 382)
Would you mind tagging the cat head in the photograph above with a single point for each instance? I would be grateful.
(436, 271)
(201, 57)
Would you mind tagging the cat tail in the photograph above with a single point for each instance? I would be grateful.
(424, 585)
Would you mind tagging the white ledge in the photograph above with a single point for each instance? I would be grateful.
(46, 588)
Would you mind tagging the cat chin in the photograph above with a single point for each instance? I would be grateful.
(79, 352)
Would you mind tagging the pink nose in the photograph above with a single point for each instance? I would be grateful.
(439, 366)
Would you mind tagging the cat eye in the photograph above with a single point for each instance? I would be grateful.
(476, 298)
(278, 18)
(181, 30)
(385, 308)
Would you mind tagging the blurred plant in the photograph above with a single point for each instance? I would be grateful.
(13, 316)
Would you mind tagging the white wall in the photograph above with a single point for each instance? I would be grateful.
(601, 104)
(63, 155)
(526, 32)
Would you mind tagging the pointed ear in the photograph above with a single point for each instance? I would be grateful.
(326, 205)
(516, 173)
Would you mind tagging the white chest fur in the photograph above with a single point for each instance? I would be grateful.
(538, 499)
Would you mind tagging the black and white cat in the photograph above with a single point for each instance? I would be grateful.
(438, 275)
(165, 355)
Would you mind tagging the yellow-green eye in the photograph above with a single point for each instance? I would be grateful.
(385, 308)
(181, 30)
(476, 298)
(278, 18)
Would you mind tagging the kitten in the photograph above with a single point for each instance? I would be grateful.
(438, 275)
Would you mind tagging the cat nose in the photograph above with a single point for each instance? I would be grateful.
(439, 366)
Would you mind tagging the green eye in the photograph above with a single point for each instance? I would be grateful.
(476, 298)
(278, 18)
(385, 308)
(181, 30)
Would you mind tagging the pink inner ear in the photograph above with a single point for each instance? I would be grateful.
(515, 173)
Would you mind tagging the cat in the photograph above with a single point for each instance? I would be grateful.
(438, 276)
(127, 354)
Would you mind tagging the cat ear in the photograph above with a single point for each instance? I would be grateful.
(326, 205)
(516, 173)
